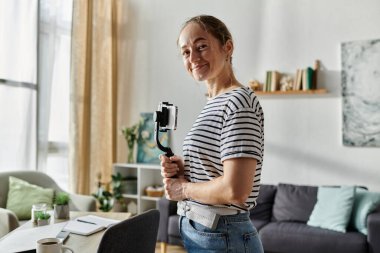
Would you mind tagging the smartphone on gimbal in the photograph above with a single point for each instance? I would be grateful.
(167, 116)
(165, 119)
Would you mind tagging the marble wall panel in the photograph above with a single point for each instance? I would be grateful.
(361, 93)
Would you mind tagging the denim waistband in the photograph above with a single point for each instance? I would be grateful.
(240, 217)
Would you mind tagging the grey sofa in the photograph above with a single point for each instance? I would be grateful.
(280, 217)
(9, 221)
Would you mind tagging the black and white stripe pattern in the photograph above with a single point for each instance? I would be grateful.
(231, 125)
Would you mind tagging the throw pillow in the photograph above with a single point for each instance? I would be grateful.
(365, 203)
(263, 209)
(22, 195)
(294, 202)
(333, 208)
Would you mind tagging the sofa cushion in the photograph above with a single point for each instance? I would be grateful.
(263, 209)
(22, 195)
(297, 237)
(365, 202)
(333, 208)
(294, 202)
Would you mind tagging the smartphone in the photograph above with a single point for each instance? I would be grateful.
(62, 236)
(166, 116)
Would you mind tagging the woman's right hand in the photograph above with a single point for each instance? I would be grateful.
(171, 166)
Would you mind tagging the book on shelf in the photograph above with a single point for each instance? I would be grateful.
(316, 68)
(309, 78)
(272, 82)
(88, 224)
(268, 80)
(298, 80)
(304, 81)
(275, 80)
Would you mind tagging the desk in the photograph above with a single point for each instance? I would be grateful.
(89, 244)
(80, 243)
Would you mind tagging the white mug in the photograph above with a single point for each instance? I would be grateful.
(51, 245)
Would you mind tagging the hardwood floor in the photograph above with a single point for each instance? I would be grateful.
(170, 249)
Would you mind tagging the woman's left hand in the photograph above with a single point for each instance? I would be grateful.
(175, 188)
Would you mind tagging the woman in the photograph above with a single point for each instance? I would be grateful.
(218, 181)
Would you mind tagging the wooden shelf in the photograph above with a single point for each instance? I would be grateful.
(147, 175)
(292, 92)
(150, 198)
(130, 196)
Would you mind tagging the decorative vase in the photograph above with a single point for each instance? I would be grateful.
(130, 155)
(61, 212)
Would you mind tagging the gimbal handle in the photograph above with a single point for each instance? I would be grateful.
(167, 150)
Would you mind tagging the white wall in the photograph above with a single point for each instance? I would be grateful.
(303, 137)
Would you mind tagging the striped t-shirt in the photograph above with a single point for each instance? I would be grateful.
(231, 125)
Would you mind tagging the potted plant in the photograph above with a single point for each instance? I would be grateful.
(42, 218)
(117, 181)
(61, 206)
(104, 198)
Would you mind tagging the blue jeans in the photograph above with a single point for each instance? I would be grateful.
(234, 233)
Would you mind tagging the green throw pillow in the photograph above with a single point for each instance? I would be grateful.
(22, 195)
(365, 203)
(333, 208)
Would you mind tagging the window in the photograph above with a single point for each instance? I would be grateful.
(34, 86)
(18, 88)
(54, 79)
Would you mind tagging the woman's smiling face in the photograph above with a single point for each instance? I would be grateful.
(203, 55)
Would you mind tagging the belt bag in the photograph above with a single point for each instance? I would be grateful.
(207, 216)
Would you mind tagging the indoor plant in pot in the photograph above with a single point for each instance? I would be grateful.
(61, 206)
(119, 204)
(42, 218)
(103, 196)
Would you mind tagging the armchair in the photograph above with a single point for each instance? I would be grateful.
(9, 221)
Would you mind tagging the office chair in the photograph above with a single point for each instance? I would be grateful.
(134, 235)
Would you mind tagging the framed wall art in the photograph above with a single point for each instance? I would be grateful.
(361, 93)
(147, 150)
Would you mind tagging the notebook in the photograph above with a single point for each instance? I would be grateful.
(20, 239)
(88, 224)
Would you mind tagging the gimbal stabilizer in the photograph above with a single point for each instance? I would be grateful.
(165, 119)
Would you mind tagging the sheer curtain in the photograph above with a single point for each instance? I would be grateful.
(18, 88)
(93, 96)
(54, 88)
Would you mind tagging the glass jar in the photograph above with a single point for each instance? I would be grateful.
(37, 208)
